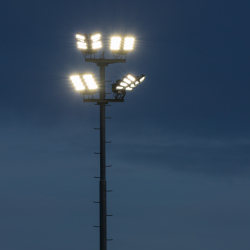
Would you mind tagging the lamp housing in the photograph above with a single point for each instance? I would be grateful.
(84, 83)
(121, 44)
(89, 44)
(118, 90)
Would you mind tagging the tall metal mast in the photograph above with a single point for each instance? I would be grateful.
(103, 189)
(102, 101)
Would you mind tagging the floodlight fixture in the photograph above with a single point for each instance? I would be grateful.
(90, 82)
(96, 45)
(142, 78)
(115, 43)
(123, 84)
(96, 41)
(81, 45)
(129, 89)
(80, 37)
(89, 44)
(130, 77)
(119, 87)
(126, 80)
(96, 37)
(128, 43)
(82, 40)
(77, 82)
(80, 88)
(120, 45)
(128, 83)
(84, 82)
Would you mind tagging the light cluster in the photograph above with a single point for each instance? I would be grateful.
(82, 82)
(129, 82)
(119, 43)
(96, 41)
(82, 41)
(115, 43)
(89, 43)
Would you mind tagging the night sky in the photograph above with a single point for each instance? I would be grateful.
(180, 150)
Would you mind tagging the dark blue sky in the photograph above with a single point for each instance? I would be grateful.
(181, 141)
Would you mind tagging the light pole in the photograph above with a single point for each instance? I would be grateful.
(86, 85)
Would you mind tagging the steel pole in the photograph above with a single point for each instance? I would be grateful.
(102, 183)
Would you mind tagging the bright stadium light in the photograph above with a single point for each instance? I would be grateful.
(120, 45)
(126, 80)
(81, 45)
(96, 37)
(97, 45)
(82, 41)
(142, 78)
(119, 87)
(88, 44)
(96, 41)
(77, 82)
(79, 88)
(115, 43)
(128, 83)
(90, 82)
(85, 82)
(128, 43)
(128, 88)
(80, 37)
(131, 78)
(123, 84)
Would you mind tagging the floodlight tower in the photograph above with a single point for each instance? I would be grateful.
(86, 85)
